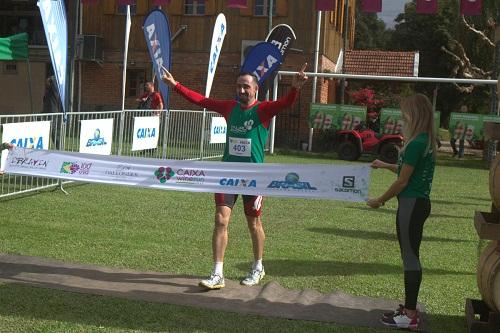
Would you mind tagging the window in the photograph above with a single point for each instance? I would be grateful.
(194, 7)
(261, 8)
(136, 79)
(10, 67)
(122, 9)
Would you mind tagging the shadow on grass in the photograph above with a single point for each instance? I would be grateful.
(296, 267)
(462, 203)
(54, 188)
(476, 198)
(393, 212)
(23, 304)
(376, 235)
(467, 162)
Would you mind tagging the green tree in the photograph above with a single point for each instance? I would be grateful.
(450, 46)
(371, 32)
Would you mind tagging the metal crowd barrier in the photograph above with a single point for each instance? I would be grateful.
(184, 135)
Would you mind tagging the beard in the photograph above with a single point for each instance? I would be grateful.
(245, 98)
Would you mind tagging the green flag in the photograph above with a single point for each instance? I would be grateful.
(14, 47)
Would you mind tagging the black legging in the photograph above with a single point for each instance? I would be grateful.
(410, 219)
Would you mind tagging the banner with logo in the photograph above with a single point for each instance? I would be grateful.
(465, 126)
(282, 36)
(34, 135)
(336, 116)
(469, 126)
(54, 21)
(218, 129)
(391, 121)
(96, 136)
(427, 6)
(220, 30)
(146, 133)
(327, 181)
(471, 7)
(262, 60)
(326, 5)
(371, 6)
(157, 34)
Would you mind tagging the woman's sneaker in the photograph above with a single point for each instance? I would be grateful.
(402, 320)
(396, 312)
(214, 282)
(253, 278)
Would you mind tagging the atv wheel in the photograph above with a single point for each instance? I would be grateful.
(389, 152)
(348, 151)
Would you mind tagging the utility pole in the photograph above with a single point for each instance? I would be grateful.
(495, 94)
(344, 47)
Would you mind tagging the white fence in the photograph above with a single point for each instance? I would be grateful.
(183, 135)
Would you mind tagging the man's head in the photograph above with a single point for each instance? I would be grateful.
(149, 87)
(246, 88)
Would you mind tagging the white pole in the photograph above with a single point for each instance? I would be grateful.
(124, 81)
(273, 121)
(315, 79)
(80, 29)
(125, 55)
(395, 78)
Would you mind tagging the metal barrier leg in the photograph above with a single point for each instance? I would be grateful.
(165, 134)
(62, 188)
(62, 136)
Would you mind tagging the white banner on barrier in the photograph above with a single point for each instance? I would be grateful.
(146, 133)
(96, 136)
(328, 181)
(218, 129)
(35, 134)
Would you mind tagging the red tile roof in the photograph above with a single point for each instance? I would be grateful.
(365, 62)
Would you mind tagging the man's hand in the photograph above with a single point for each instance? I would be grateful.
(300, 78)
(8, 144)
(167, 77)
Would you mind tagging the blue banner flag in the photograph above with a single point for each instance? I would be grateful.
(53, 15)
(157, 34)
(262, 60)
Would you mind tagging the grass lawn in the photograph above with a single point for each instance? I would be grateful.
(318, 244)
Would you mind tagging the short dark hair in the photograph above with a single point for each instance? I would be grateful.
(255, 79)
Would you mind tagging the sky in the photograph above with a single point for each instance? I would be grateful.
(391, 9)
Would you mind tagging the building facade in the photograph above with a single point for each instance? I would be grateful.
(98, 29)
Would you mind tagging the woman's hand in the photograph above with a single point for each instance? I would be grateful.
(374, 203)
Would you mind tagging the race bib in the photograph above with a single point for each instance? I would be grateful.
(240, 147)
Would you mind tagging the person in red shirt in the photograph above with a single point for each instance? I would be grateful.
(150, 100)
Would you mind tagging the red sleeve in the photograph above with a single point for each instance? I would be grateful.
(157, 100)
(267, 110)
(223, 107)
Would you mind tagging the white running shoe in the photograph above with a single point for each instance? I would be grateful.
(402, 320)
(253, 278)
(214, 282)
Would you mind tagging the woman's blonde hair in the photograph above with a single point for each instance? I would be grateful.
(419, 118)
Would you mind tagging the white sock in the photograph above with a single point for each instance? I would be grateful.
(219, 268)
(257, 265)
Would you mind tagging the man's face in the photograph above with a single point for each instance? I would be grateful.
(246, 89)
(148, 87)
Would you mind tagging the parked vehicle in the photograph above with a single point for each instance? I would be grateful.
(351, 144)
